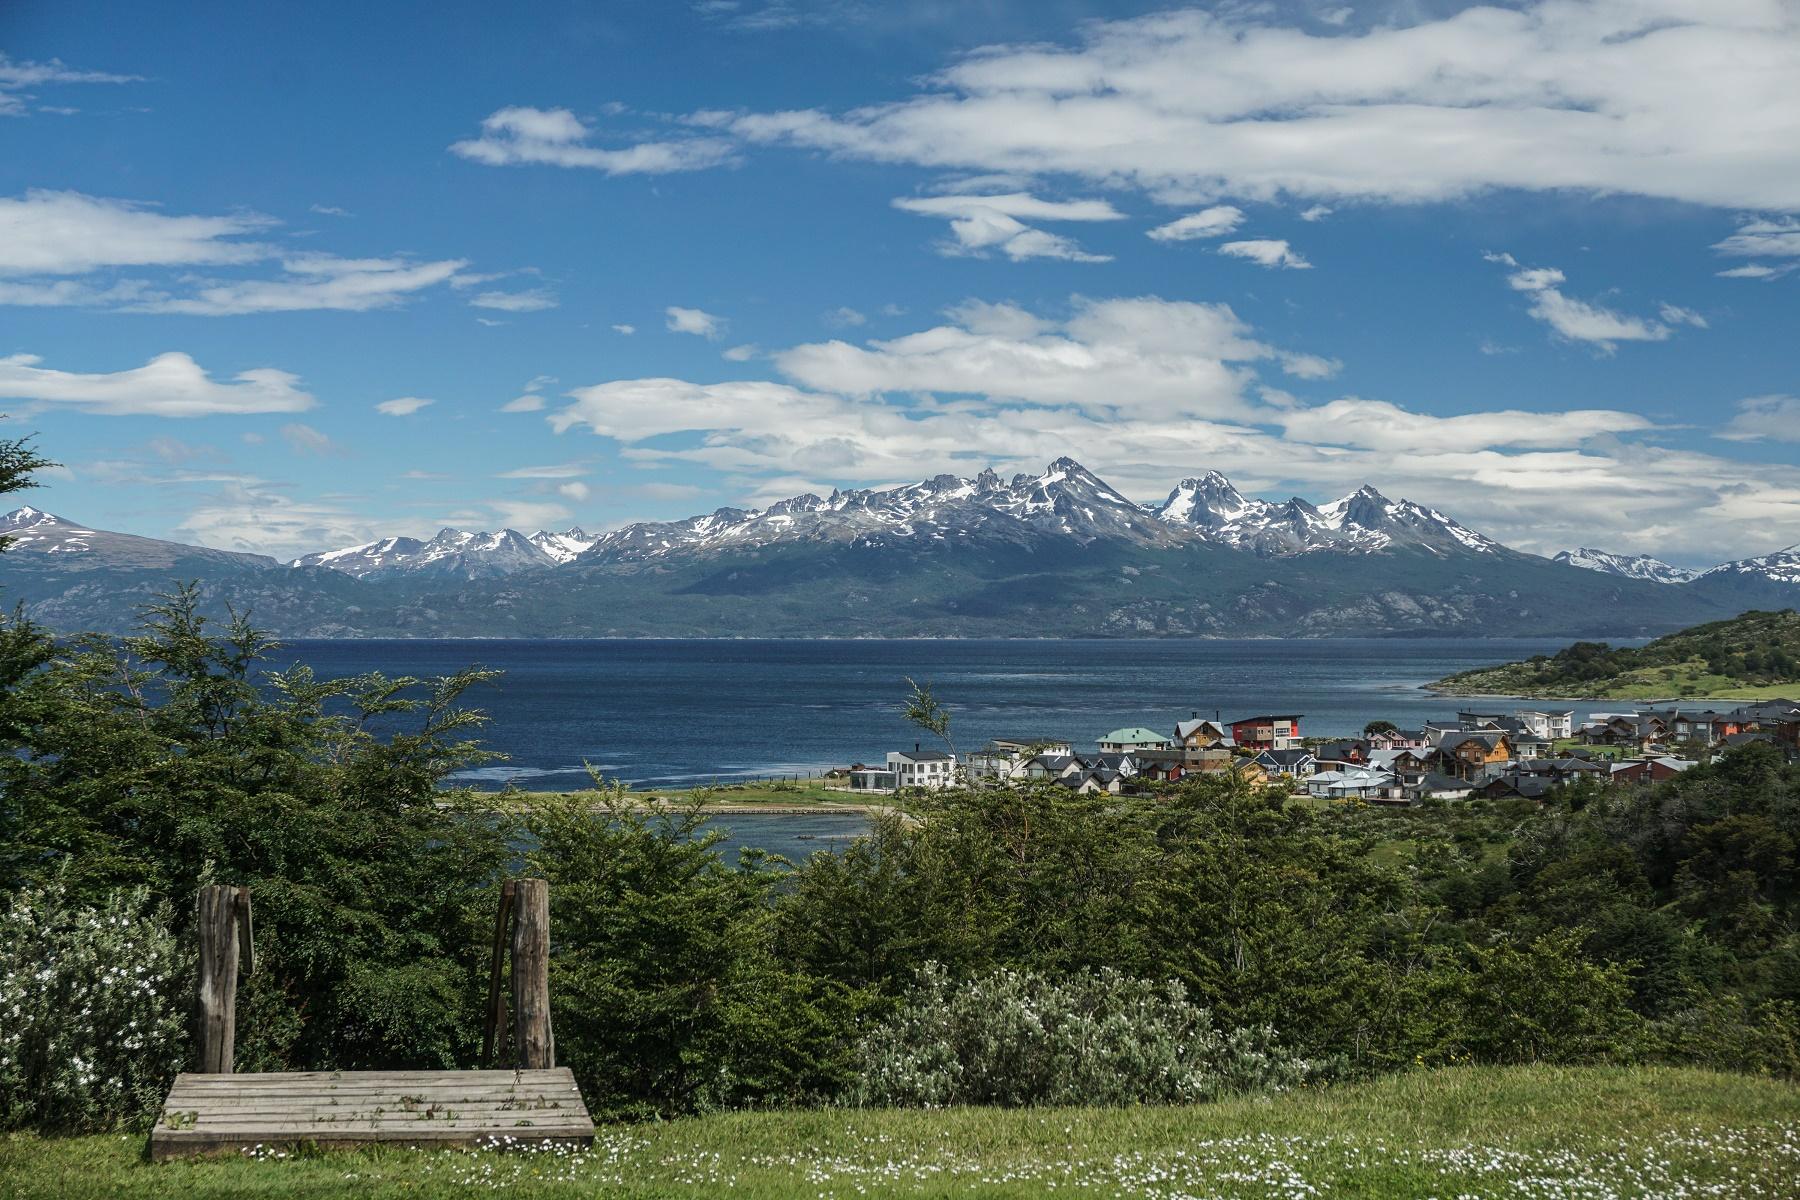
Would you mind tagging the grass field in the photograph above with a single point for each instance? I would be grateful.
(1464, 1132)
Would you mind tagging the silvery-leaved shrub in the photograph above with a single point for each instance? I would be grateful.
(93, 1010)
(1021, 1038)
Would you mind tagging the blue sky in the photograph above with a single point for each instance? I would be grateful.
(1534, 265)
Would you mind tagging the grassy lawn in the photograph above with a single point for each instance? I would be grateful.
(1469, 1132)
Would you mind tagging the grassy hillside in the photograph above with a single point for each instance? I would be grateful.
(1752, 656)
(1476, 1132)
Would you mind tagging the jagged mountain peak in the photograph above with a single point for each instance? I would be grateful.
(1630, 566)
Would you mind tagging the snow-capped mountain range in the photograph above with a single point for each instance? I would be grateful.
(1631, 566)
(1065, 500)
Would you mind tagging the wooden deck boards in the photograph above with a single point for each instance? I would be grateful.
(208, 1114)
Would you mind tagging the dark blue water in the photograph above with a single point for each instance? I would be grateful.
(674, 713)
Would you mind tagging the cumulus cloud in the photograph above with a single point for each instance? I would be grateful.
(260, 517)
(1689, 100)
(1216, 221)
(403, 406)
(979, 224)
(1267, 252)
(169, 385)
(1774, 418)
(1147, 391)
(556, 137)
(694, 321)
(573, 490)
(1583, 321)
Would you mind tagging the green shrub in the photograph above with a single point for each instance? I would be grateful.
(1019, 1038)
(93, 1012)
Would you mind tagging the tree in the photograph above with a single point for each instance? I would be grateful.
(18, 461)
(922, 709)
(1375, 727)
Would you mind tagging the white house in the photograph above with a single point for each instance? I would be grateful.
(1549, 725)
(921, 768)
(1358, 784)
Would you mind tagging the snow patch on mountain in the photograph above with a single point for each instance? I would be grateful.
(1631, 566)
(1783, 566)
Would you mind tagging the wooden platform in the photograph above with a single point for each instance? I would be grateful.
(208, 1114)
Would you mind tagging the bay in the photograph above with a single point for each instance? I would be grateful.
(657, 713)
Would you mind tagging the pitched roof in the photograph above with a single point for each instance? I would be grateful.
(922, 755)
(1133, 735)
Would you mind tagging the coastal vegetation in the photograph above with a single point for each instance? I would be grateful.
(1753, 656)
(1453, 1131)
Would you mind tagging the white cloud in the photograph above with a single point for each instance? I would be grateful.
(627, 330)
(1775, 418)
(169, 385)
(330, 210)
(46, 234)
(258, 517)
(573, 490)
(1310, 366)
(538, 383)
(1380, 425)
(557, 137)
(1674, 314)
(694, 321)
(1580, 320)
(1216, 221)
(744, 353)
(304, 439)
(1689, 100)
(1337, 16)
(403, 406)
(1267, 252)
(574, 470)
(1755, 271)
(845, 318)
(528, 514)
(314, 282)
(68, 233)
(1317, 212)
(529, 402)
(1147, 391)
(534, 300)
(979, 224)
(1763, 238)
(17, 74)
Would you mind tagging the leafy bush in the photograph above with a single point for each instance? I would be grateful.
(1095, 1037)
(93, 1015)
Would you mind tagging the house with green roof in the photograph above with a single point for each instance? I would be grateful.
(1135, 737)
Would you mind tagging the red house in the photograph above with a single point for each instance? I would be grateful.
(1267, 733)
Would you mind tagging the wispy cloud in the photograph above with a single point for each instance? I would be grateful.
(694, 321)
(169, 385)
(523, 136)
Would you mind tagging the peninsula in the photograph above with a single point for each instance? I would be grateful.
(1753, 656)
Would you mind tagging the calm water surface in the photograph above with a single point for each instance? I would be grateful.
(673, 713)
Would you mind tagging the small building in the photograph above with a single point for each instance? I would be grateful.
(1354, 785)
(1198, 733)
(1648, 770)
(1130, 738)
(1293, 764)
(921, 768)
(1551, 724)
(1267, 732)
(1469, 754)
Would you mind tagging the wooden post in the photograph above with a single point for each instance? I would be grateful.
(223, 911)
(534, 1045)
(493, 1037)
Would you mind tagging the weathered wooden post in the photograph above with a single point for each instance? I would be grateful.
(224, 910)
(493, 1037)
(534, 1043)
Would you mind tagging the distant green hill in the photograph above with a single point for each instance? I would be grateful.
(1750, 657)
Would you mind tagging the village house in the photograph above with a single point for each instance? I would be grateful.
(1648, 770)
(1132, 738)
(1434, 786)
(1344, 754)
(1355, 785)
(1551, 726)
(917, 768)
(1471, 755)
(1293, 764)
(1267, 732)
(1003, 760)
(1197, 733)
(1398, 739)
